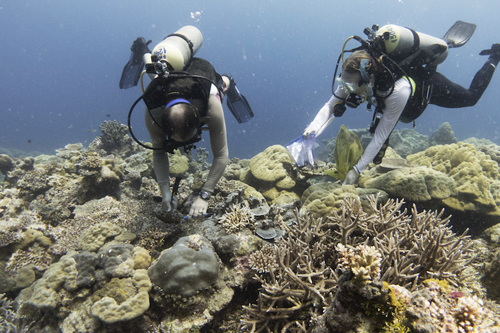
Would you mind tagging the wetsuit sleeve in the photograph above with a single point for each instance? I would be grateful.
(394, 106)
(218, 142)
(325, 113)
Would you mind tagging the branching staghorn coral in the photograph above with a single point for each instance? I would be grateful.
(303, 283)
(402, 249)
(413, 247)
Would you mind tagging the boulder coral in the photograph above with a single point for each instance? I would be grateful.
(274, 174)
(322, 199)
(187, 267)
(475, 174)
(109, 311)
(415, 184)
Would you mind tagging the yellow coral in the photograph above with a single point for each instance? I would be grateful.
(363, 260)
(271, 164)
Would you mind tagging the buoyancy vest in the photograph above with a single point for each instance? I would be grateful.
(193, 84)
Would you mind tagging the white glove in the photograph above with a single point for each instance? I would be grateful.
(198, 208)
(352, 176)
(308, 131)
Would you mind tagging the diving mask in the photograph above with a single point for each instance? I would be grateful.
(348, 87)
(353, 97)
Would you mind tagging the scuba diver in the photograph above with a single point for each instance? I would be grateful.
(184, 97)
(394, 70)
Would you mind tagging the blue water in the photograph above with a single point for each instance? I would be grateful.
(61, 61)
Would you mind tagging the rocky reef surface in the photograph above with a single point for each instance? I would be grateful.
(86, 247)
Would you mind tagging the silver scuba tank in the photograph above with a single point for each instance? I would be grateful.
(178, 48)
(404, 43)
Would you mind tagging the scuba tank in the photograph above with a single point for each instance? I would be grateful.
(178, 48)
(409, 47)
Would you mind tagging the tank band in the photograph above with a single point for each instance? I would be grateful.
(187, 41)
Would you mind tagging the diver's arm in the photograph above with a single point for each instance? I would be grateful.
(160, 158)
(218, 142)
(394, 106)
(325, 113)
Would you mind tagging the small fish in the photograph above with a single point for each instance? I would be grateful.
(108, 115)
(29, 140)
(91, 130)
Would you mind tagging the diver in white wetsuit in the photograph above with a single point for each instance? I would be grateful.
(400, 88)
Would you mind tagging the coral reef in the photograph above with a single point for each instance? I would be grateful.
(444, 135)
(85, 244)
(387, 245)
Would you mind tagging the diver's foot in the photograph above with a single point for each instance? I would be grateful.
(494, 53)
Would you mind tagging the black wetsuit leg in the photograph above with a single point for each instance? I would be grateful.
(451, 95)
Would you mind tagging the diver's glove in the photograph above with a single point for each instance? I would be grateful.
(139, 48)
(494, 53)
(339, 109)
(198, 208)
(308, 131)
(352, 176)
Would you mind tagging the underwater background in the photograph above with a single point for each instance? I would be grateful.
(61, 62)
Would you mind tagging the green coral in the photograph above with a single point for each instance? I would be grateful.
(348, 151)
(178, 163)
(389, 310)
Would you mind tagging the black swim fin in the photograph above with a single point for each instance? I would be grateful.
(132, 70)
(238, 104)
(495, 50)
(459, 34)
